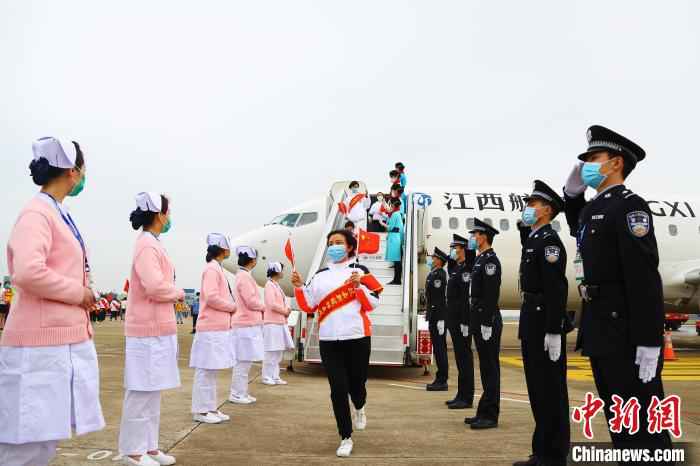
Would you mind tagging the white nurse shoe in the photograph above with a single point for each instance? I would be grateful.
(208, 418)
(222, 416)
(252, 399)
(280, 382)
(241, 400)
(145, 461)
(268, 382)
(345, 448)
(163, 459)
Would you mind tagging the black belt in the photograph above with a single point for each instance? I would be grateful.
(533, 298)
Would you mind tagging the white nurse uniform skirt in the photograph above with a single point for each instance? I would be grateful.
(213, 350)
(46, 390)
(249, 344)
(277, 337)
(151, 363)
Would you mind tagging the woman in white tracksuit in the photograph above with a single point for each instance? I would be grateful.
(212, 347)
(275, 332)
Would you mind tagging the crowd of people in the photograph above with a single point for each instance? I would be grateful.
(621, 325)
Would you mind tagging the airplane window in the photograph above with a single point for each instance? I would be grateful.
(556, 225)
(307, 218)
(470, 223)
(437, 223)
(289, 220)
(454, 223)
(504, 224)
(276, 220)
(673, 230)
(489, 221)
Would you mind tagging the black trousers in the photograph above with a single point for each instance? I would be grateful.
(465, 362)
(440, 351)
(617, 374)
(398, 269)
(194, 322)
(549, 400)
(346, 364)
(490, 368)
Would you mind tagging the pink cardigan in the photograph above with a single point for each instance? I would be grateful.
(216, 305)
(276, 306)
(250, 306)
(152, 291)
(46, 265)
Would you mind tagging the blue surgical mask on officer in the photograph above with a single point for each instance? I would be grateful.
(336, 252)
(429, 262)
(453, 253)
(471, 244)
(529, 216)
(590, 174)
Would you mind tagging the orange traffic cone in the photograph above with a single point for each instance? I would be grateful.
(669, 355)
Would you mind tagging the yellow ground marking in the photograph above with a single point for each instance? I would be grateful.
(685, 369)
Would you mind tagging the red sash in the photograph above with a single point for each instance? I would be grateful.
(355, 200)
(344, 295)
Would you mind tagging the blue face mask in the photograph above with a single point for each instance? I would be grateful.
(471, 244)
(590, 174)
(453, 253)
(529, 216)
(336, 252)
(429, 262)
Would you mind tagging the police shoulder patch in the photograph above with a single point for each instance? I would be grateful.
(638, 223)
(490, 268)
(551, 254)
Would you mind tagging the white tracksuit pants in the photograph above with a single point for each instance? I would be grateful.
(239, 379)
(27, 454)
(271, 365)
(140, 425)
(204, 391)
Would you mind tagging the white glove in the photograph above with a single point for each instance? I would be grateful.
(574, 184)
(647, 360)
(552, 344)
(486, 332)
(441, 327)
(465, 330)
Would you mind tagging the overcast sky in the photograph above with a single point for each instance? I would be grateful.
(239, 110)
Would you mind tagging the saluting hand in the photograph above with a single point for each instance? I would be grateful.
(296, 279)
(355, 279)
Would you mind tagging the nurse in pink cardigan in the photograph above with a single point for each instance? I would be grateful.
(212, 348)
(276, 332)
(150, 364)
(247, 325)
(48, 364)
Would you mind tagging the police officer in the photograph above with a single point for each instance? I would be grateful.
(486, 324)
(622, 320)
(459, 266)
(435, 286)
(543, 318)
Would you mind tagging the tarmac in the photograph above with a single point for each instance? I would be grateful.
(294, 424)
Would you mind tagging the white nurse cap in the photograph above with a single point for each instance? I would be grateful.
(149, 201)
(58, 155)
(275, 267)
(217, 239)
(247, 250)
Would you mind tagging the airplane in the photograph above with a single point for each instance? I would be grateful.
(400, 333)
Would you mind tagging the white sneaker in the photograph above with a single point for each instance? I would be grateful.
(280, 382)
(145, 461)
(345, 448)
(222, 416)
(241, 400)
(360, 419)
(252, 399)
(209, 418)
(163, 459)
(268, 382)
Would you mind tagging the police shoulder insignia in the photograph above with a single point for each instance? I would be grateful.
(490, 268)
(551, 254)
(465, 277)
(437, 283)
(638, 223)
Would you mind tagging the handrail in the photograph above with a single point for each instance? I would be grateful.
(408, 263)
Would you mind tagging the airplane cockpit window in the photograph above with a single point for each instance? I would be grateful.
(556, 226)
(470, 223)
(275, 220)
(673, 230)
(454, 223)
(288, 220)
(504, 224)
(307, 218)
(437, 223)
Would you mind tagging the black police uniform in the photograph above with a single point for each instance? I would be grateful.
(544, 290)
(623, 296)
(435, 286)
(485, 292)
(457, 315)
